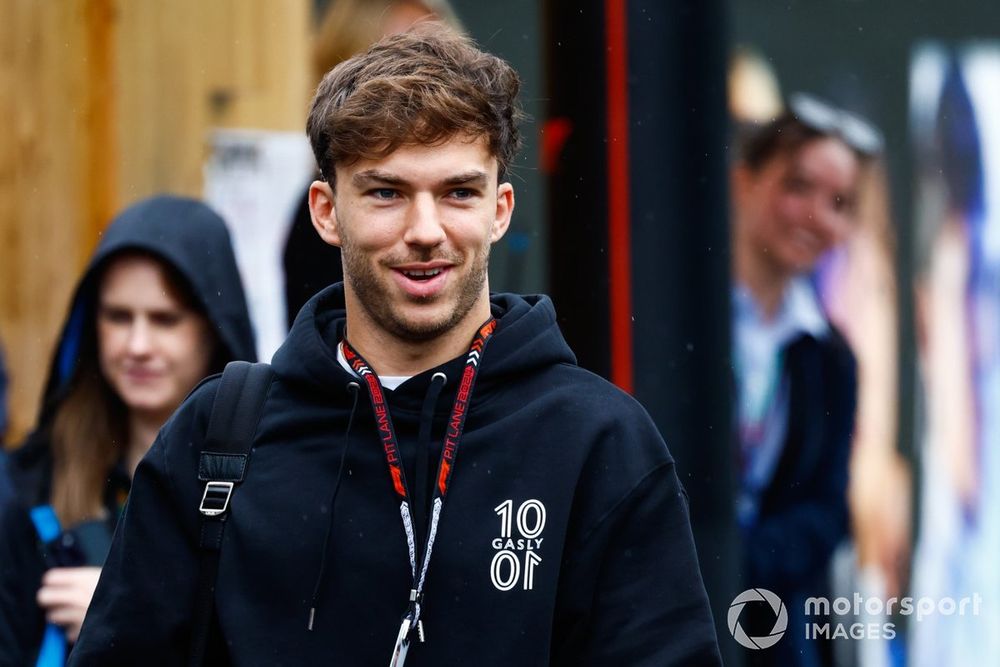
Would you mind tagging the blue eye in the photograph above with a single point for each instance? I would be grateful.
(383, 193)
(463, 193)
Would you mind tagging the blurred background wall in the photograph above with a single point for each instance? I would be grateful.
(108, 101)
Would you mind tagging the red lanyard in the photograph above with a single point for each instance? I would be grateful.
(446, 468)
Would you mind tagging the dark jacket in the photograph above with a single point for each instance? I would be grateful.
(607, 574)
(803, 511)
(194, 241)
(310, 263)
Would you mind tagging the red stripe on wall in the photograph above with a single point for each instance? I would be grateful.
(619, 225)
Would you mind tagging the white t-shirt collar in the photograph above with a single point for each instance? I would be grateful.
(390, 382)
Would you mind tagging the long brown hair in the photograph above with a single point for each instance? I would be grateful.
(89, 432)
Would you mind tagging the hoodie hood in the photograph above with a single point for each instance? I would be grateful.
(188, 236)
(527, 338)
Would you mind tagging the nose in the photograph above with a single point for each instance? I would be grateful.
(423, 223)
(140, 341)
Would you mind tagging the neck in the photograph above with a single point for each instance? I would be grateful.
(142, 430)
(391, 355)
(765, 282)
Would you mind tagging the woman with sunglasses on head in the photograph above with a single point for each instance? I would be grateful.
(159, 307)
(795, 189)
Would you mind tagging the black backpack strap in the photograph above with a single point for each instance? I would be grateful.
(224, 457)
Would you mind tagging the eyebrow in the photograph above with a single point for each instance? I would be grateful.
(370, 176)
(363, 179)
(474, 177)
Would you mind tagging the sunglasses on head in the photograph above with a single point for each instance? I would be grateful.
(825, 118)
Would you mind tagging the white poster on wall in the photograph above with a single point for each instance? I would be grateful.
(255, 179)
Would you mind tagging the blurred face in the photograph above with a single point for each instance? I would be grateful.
(415, 230)
(152, 348)
(798, 205)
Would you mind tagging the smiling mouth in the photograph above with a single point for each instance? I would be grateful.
(142, 376)
(807, 239)
(423, 282)
(420, 275)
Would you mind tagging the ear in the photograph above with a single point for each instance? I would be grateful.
(324, 212)
(505, 208)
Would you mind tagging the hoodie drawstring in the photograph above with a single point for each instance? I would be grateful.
(352, 388)
(438, 380)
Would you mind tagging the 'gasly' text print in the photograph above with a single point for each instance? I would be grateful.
(516, 555)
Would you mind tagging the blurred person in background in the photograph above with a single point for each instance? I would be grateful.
(795, 194)
(856, 283)
(347, 27)
(159, 307)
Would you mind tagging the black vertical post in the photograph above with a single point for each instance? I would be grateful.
(680, 228)
(574, 157)
(678, 238)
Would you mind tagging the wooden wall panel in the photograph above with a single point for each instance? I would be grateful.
(108, 101)
(187, 66)
(44, 103)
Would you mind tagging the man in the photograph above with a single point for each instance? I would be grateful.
(547, 527)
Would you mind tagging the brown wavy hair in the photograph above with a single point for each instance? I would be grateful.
(420, 87)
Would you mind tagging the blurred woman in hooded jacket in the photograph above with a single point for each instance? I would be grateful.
(159, 307)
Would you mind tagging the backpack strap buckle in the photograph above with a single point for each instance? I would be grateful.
(215, 501)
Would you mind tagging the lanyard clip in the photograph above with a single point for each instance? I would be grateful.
(416, 597)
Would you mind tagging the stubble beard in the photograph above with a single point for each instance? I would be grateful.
(374, 295)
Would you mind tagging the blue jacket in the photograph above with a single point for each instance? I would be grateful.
(803, 511)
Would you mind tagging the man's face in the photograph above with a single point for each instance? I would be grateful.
(799, 205)
(415, 230)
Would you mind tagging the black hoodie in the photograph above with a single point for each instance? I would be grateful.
(565, 537)
(192, 239)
